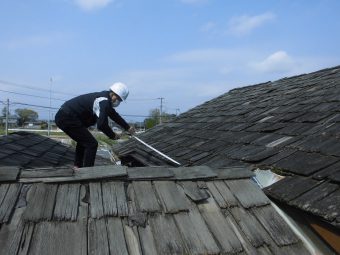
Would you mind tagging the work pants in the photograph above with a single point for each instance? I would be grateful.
(87, 145)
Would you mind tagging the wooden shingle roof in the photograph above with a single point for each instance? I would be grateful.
(291, 126)
(146, 210)
(195, 210)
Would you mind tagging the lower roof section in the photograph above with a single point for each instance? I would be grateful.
(150, 210)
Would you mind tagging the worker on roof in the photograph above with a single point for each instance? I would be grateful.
(81, 112)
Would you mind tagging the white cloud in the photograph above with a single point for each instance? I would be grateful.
(209, 56)
(208, 27)
(245, 24)
(89, 5)
(279, 61)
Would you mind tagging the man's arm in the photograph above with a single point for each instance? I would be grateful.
(117, 118)
(102, 122)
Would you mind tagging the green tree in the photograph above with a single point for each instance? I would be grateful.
(25, 115)
(154, 118)
(4, 110)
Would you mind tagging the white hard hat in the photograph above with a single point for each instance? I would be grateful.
(120, 89)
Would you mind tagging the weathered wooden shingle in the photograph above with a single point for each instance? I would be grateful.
(96, 200)
(9, 194)
(98, 242)
(250, 226)
(8, 173)
(193, 191)
(276, 226)
(168, 237)
(196, 235)
(220, 227)
(62, 238)
(146, 197)
(172, 197)
(191, 173)
(147, 173)
(67, 202)
(247, 193)
(115, 231)
(109, 199)
(41, 200)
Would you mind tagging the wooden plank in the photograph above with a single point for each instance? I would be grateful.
(172, 198)
(229, 173)
(43, 173)
(116, 237)
(25, 239)
(16, 235)
(193, 192)
(220, 227)
(40, 202)
(247, 193)
(132, 240)
(3, 191)
(122, 205)
(8, 202)
(149, 173)
(109, 199)
(146, 197)
(193, 235)
(217, 195)
(225, 192)
(86, 173)
(147, 240)
(9, 173)
(63, 238)
(96, 200)
(277, 228)
(195, 172)
(98, 242)
(250, 226)
(168, 237)
(191, 239)
(100, 172)
(67, 202)
(136, 216)
(203, 231)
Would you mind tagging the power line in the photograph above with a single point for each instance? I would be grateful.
(47, 107)
(143, 99)
(24, 94)
(32, 87)
(34, 105)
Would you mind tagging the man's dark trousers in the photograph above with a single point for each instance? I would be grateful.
(87, 145)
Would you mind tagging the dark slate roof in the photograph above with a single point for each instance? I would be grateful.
(150, 210)
(28, 150)
(291, 125)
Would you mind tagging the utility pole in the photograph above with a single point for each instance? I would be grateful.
(177, 111)
(161, 110)
(7, 113)
(49, 110)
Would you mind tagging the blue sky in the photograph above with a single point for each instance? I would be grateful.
(187, 51)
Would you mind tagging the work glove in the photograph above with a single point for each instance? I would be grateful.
(132, 130)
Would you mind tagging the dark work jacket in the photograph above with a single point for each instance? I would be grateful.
(95, 108)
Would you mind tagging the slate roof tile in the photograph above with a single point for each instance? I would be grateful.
(303, 163)
(29, 150)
